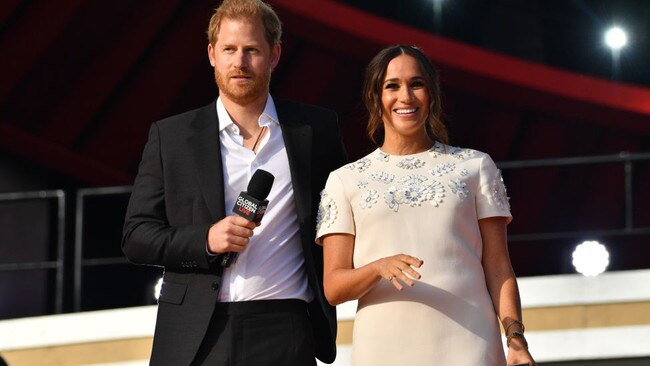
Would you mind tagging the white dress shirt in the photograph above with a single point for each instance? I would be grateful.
(272, 266)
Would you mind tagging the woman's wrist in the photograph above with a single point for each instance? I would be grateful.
(516, 340)
(514, 332)
(376, 269)
(512, 325)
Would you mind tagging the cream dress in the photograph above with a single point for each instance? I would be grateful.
(426, 205)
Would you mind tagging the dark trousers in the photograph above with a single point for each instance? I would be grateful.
(258, 333)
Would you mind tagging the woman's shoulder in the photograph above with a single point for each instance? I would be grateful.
(458, 153)
(358, 166)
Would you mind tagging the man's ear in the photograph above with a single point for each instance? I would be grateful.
(275, 55)
(211, 54)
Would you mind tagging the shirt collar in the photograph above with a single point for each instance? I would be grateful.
(268, 116)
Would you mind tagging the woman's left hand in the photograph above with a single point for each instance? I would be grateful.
(398, 268)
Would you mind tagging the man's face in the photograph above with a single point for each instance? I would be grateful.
(243, 60)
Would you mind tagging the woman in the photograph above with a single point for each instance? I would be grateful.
(416, 231)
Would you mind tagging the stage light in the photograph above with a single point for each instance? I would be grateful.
(590, 258)
(156, 288)
(615, 38)
(437, 15)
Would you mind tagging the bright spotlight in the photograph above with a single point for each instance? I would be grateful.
(157, 288)
(615, 38)
(590, 258)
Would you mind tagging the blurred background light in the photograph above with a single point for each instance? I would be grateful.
(156, 288)
(590, 258)
(615, 38)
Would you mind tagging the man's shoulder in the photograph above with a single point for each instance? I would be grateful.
(304, 109)
(187, 116)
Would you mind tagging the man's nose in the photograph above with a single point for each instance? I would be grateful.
(240, 59)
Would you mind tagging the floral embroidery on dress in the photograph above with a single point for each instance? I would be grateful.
(456, 152)
(359, 165)
(464, 173)
(327, 211)
(499, 193)
(414, 195)
(363, 164)
(413, 179)
(382, 177)
(459, 188)
(369, 198)
(460, 153)
(362, 184)
(411, 163)
(442, 169)
(413, 190)
(382, 156)
(437, 193)
(438, 148)
(391, 199)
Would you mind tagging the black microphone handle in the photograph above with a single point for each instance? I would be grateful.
(251, 204)
(228, 258)
(256, 216)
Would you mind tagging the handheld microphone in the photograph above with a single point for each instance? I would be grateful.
(251, 204)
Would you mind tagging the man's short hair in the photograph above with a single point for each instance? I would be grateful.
(246, 9)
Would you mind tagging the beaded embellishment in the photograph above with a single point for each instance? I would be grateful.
(457, 152)
(391, 198)
(498, 191)
(442, 169)
(381, 156)
(359, 165)
(411, 163)
(369, 198)
(414, 190)
(459, 188)
(437, 193)
(327, 211)
(382, 177)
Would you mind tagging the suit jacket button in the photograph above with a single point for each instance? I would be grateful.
(215, 286)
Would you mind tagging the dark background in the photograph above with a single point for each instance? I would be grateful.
(82, 81)
(567, 34)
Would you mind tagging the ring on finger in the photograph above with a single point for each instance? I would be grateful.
(389, 278)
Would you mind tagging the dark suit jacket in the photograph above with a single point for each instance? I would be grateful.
(178, 195)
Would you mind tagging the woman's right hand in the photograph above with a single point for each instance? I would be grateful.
(343, 282)
(399, 268)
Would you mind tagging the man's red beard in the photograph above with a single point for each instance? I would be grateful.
(256, 87)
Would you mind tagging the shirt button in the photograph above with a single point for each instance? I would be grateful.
(215, 286)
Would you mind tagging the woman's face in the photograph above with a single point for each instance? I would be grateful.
(404, 98)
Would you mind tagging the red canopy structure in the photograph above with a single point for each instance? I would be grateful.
(82, 82)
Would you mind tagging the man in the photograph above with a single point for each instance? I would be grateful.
(268, 307)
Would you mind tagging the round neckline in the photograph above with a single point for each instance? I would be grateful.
(380, 151)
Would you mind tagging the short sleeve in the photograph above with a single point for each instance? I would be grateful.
(492, 199)
(334, 211)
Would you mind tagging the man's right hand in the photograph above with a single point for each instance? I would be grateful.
(231, 234)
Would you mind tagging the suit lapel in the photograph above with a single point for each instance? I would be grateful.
(297, 137)
(205, 145)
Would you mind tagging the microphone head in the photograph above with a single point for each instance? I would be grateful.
(260, 184)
